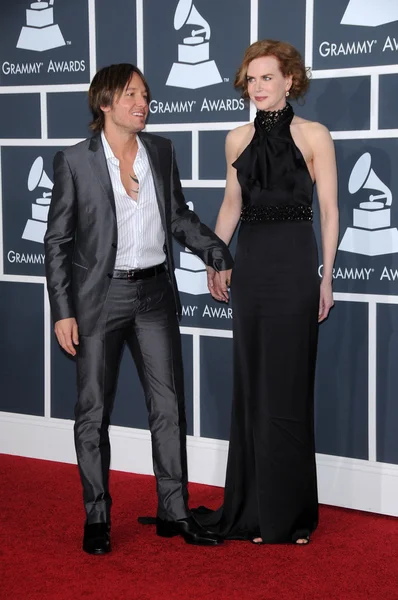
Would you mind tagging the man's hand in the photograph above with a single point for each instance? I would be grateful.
(67, 334)
(218, 283)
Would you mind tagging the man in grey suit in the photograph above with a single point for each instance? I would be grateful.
(116, 204)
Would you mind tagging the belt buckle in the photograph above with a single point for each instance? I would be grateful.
(130, 274)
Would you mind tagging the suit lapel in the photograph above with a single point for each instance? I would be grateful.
(156, 168)
(100, 169)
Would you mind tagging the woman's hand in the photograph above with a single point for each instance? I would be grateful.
(218, 283)
(325, 300)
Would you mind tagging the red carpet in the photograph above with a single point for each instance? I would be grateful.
(352, 555)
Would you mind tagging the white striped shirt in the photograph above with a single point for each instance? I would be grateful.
(139, 228)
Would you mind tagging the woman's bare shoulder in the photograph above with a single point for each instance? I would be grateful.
(309, 128)
(237, 139)
(239, 133)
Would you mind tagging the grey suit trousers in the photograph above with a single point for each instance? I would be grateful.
(142, 314)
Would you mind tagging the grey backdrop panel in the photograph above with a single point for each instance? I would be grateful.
(358, 44)
(68, 115)
(20, 116)
(205, 103)
(341, 104)
(58, 56)
(199, 308)
(388, 96)
(22, 349)
(356, 272)
(215, 387)
(342, 382)
(282, 20)
(212, 163)
(182, 142)
(26, 184)
(115, 32)
(387, 383)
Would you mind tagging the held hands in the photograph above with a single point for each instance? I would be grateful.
(325, 300)
(66, 331)
(218, 283)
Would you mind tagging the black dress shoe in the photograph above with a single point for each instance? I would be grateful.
(97, 539)
(189, 529)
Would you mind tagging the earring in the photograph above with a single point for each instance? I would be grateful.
(287, 93)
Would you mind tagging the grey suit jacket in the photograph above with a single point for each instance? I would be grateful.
(81, 238)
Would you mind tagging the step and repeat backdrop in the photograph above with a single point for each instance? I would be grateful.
(189, 52)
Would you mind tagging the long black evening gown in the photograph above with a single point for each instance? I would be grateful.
(271, 488)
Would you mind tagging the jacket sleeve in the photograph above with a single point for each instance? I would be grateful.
(59, 240)
(187, 228)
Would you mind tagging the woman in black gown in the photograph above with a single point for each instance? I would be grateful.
(278, 300)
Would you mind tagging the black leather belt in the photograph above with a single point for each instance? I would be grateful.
(137, 274)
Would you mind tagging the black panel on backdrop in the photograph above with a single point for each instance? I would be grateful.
(26, 195)
(20, 116)
(201, 48)
(367, 256)
(22, 353)
(182, 141)
(341, 388)
(354, 33)
(215, 387)
(212, 163)
(388, 95)
(198, 307)
(387, 383)
(116, 33)
(68, 115)
(341, 104)
(283, 20)
(43, 44)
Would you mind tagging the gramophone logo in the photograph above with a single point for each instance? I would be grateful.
(194, 68)
(192, 275)
(40, 33)
(35, 227)
(370, 13)
(372, 234)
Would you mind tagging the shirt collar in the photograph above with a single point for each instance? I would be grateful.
(108, 150)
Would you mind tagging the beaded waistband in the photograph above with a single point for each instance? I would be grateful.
(258, 214)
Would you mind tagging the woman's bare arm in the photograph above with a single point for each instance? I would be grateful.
(229, 214)
(325, 171)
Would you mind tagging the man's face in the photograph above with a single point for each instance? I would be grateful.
(130, 109)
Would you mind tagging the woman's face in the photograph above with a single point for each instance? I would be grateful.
(266, 85)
